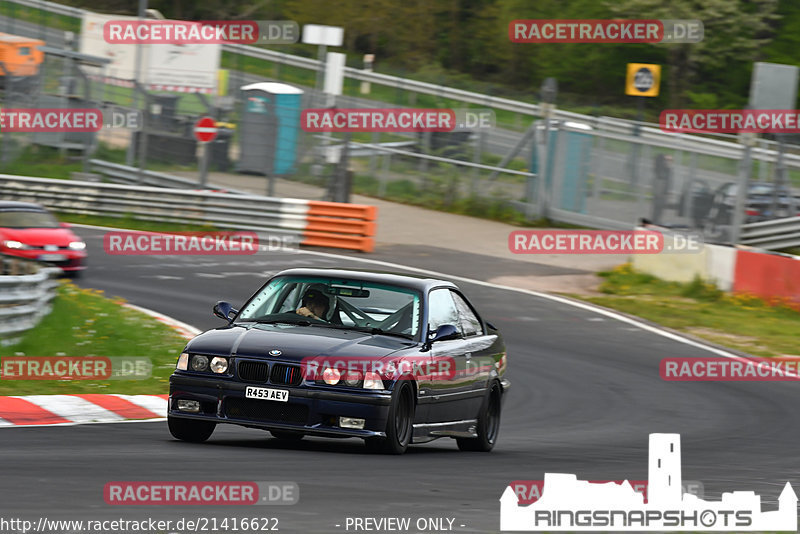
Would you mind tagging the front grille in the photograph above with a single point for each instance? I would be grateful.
(260, 410)
(287, 375)
(252, 371)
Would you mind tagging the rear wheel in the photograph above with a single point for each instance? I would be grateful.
(399, 425)
(189, 430)
(488, 424)
(287, 435)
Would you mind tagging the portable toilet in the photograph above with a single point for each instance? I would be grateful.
(270, 128)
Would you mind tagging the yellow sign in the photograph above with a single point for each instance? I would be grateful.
(643, 79)
(222, 82)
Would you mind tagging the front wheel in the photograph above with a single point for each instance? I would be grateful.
(189, 430)
(399, 425)
(488, 424)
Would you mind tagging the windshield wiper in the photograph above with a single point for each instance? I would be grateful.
(299, 322)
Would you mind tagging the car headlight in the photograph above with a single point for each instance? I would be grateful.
(373, 381)
(331, 376)
(352, 378)
(77, 245)
(183, 362)
(199, 363)
(219, 365)
(17, 245)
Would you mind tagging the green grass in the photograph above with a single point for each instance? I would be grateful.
(739, 321)
(37, 16)
(129, 222)
(85, 323)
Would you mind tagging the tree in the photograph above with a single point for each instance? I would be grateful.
(736, 32)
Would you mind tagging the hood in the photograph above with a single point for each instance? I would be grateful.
(294, 342)
(39, 237)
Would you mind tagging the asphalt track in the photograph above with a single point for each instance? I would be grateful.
(586, 393)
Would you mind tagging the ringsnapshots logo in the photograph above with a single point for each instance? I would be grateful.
(201, 32)
(569, 504)
(200, 493)
(396, 120)
(605, 31)
(603, 242)
(530, 491)
(133, 243)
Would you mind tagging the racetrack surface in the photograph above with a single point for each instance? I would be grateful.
(585, 394)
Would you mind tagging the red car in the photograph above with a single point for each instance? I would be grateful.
(30, 231)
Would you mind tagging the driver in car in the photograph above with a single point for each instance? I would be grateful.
(315, 304)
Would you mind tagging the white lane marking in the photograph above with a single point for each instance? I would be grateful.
(74, 409)
(154, 404)
(561, 300)
(176, 324)
(554, 298)
(154, 420)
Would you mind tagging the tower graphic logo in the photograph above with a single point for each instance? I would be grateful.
(570, 504)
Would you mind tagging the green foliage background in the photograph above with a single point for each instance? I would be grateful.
(464, 43)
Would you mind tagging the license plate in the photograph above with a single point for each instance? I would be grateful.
(52, 257)
(280, 395)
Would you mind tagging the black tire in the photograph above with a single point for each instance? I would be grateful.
(488, 424)
(188, 430)
(287, 435)
(399, 424)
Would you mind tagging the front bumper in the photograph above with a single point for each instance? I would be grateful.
(71, 260)
(310, 409)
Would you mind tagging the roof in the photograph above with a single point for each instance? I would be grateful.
(420, 283)
(273, 88)
(10, 204)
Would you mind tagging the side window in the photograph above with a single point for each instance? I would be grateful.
(468, 322)
(441, 310)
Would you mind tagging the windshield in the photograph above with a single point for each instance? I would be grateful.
(27, 219)
(342, 303)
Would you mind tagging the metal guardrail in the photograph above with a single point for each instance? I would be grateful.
(772, 235)
(124, 174)
(679, 141)
(304, 222)
(26, 291)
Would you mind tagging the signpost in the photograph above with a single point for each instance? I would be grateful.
(643, 80)
(205, 131)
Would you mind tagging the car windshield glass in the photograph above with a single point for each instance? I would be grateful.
(342, 303)
(27, 219)
(761, 189)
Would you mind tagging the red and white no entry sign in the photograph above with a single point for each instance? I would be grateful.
(205, 130)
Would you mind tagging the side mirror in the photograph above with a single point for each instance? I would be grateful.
(443, 333)
(64, 225)
(223, 310)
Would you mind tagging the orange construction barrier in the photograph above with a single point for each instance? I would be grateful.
(338, 225)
